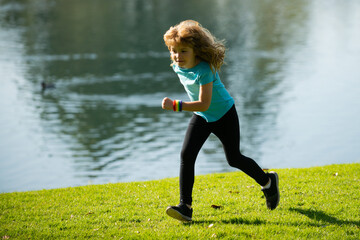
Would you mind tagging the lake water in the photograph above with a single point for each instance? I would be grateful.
(293, 68)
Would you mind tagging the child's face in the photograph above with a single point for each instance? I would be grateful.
(183, 56)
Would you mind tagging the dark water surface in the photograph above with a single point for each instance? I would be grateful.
(293, 68)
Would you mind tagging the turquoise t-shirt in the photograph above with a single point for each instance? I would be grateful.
(201, 74)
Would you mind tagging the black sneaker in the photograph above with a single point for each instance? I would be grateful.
(180, 212)
(272, 194)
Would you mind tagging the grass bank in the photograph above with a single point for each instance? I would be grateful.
(316, 203)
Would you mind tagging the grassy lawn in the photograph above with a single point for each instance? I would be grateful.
(316, 203)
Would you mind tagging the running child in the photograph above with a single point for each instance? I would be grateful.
(197, 57)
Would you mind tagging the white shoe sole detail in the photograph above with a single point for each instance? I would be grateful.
(177, 215)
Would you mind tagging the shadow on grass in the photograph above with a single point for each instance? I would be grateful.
(316, 215)
(230, 221)
(322, 216)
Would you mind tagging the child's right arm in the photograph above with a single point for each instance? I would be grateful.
(197, 106)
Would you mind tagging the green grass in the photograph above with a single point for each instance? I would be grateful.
(316, 203)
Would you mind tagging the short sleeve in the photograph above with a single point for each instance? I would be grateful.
(206, 77)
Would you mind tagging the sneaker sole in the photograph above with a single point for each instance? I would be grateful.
(277, 188)
(177, 215)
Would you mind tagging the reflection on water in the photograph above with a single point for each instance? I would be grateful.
(103, 122)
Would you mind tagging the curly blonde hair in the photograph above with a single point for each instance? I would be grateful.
(206, 47)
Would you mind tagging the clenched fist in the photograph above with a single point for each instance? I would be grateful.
(167, 104)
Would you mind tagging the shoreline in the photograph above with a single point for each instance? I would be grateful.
(141, 181)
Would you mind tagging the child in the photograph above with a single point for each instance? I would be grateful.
(196, 58)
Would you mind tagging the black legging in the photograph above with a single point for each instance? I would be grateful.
(227, 130)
